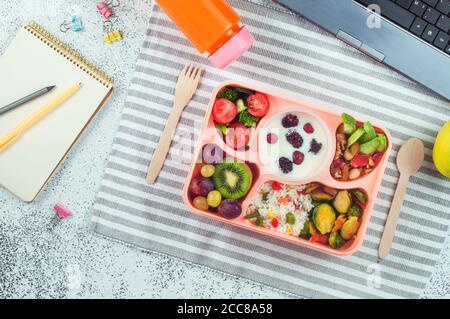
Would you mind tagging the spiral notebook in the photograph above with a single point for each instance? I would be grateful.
(36, 59)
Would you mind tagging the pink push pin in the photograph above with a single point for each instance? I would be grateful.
(61, 213)
(104, 10)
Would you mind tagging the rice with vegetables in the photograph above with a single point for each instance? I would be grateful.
(282, 208)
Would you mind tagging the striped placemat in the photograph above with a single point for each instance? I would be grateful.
(296, 58)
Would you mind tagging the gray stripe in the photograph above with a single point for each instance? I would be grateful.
(118, 154)
(411, 231)
(403, 254)
(415, 219)
(143, 148)
(148, 97)
(419, 207)
(162, 180)
(425, 184)
(154, 138)
(406, 242)
(152, 124)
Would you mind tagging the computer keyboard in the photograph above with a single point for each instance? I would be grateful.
(427, 19)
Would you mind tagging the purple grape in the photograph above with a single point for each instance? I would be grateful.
(230, 208)
(201, 186)
(212, 154)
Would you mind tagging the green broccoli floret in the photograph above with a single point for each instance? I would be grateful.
(247, 119)
(228, 93)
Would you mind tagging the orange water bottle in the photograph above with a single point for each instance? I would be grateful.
(212, 26)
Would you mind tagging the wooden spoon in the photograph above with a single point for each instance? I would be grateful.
(409, 159)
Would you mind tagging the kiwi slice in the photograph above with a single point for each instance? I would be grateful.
(232, 178)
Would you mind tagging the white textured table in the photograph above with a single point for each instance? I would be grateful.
(35, 262)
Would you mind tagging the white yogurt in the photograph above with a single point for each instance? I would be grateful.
(270, 154)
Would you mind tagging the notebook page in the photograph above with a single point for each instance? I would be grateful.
(27, 66)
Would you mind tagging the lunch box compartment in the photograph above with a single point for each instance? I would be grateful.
(376, 168)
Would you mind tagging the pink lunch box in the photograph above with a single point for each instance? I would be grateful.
(330, 121)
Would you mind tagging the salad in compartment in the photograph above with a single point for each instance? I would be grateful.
(359, 149)
(236, 113)
(314, 212)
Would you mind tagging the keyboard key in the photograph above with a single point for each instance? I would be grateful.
(443, 23)
(418, 26)
(430, 33)
(441, 40)
(431, 15)
(392, 11)
(418, 8)
(447, 50)
(443, 6)
(431, 2)
(404, 3)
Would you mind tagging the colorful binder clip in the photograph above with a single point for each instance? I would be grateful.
(105, 8)
(74, 24)
(60, 213)
(111, 35)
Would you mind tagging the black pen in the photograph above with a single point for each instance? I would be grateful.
(25, 99)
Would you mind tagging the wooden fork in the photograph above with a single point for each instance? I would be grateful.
(186, 86)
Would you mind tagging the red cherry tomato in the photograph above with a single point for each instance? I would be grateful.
(377, 157)
(224, 111)
(275, 223)
(276, 186)
(360, 160)
(237, 136)
(258, 104)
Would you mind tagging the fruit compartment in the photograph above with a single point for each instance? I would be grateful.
(330, 121)
(200, 183)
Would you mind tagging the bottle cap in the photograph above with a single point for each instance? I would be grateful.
(233, 49)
